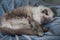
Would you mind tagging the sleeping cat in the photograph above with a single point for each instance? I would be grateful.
(26, 20)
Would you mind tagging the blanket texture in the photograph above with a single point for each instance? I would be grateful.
(54, 27)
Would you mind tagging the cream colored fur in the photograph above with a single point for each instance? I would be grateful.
(34, 13)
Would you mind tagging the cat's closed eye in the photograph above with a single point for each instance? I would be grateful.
(45, 11)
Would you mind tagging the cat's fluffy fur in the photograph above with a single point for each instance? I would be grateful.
(26, 20)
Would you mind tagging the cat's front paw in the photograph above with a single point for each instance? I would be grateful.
(40, 34)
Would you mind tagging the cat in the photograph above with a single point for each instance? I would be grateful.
(26, 20)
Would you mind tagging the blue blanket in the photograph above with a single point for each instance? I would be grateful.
(54, 27)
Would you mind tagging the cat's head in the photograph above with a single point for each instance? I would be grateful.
(46, 14)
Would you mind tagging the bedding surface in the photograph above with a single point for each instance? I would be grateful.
(54, 27)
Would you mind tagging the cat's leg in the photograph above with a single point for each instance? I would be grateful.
(36, 26)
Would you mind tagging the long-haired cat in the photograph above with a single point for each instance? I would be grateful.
(26, 20)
